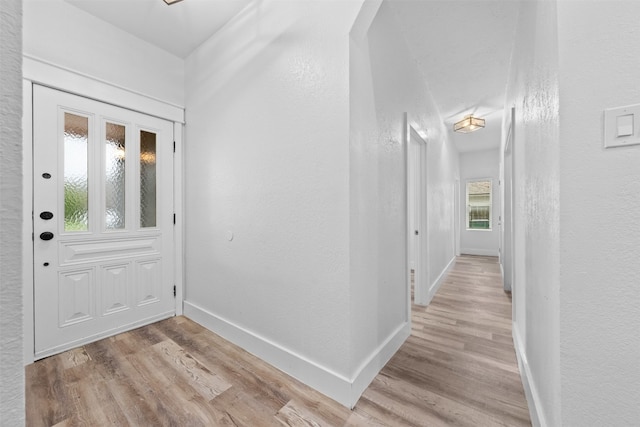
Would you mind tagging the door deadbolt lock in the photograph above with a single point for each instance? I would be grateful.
(46, 215)
(416, 232)
(47, 235)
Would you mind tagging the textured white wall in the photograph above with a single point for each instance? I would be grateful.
(267, 158)
(479, 165)
(11, 367)
(384, 84)
(376, 183)
(60, 33)
(442, 170)
(599, 43)
(533, 90)
(403, 88)
(576, 207)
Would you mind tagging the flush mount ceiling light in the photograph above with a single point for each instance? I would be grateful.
(170, 2)
(468, 124)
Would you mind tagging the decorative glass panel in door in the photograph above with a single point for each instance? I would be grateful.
(115, 179)
(76, 176)
(147, 179)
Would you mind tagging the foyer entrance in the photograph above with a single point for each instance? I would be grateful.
(102, 220)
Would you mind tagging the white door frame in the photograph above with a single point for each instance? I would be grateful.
(456, 217)
(417, 182)
(507, 223)
(54, 76)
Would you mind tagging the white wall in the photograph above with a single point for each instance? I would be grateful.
(533, 90)
(384, 84)
(295, 145)
(599, 227)
(474, 166)
(403, 87)
(268, 161)
(11, 367)
(59, 33)
(576, 299)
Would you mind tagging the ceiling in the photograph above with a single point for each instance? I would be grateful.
(178, 28)
(463, 47)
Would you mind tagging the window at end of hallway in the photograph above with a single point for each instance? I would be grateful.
(479, 205)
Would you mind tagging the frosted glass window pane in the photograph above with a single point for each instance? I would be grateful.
(76, 182)
(115, 176)
(147, 179)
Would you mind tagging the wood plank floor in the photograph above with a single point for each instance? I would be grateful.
(457, 369)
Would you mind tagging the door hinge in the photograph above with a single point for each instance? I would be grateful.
(174, 146)
(174, 291)
(174, 219)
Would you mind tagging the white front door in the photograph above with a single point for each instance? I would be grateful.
(103, 220)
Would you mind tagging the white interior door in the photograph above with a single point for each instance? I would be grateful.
(417, 207)
(414, 203)
(103, 220)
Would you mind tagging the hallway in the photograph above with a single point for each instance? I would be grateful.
(457, 368)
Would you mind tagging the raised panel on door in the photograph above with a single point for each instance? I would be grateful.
(148, 278)
(115, 288)
(103, 220)
(76, 301)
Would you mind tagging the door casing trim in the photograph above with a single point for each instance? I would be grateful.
(58, 77)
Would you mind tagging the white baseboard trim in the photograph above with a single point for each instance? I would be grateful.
(439, 280)
(479, 251)
(530, 390)
(505, 285)
(376, 361)
(338, 387)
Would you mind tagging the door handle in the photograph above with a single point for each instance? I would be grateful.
(46, 215)
(47, 235)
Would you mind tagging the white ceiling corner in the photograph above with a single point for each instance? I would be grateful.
(178, 28)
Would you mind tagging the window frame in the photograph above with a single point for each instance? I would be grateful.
(467, 205)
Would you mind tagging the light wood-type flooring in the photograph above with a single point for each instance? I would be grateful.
(458, 368)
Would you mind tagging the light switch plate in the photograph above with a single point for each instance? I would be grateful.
(625, 125)
(622, 126)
